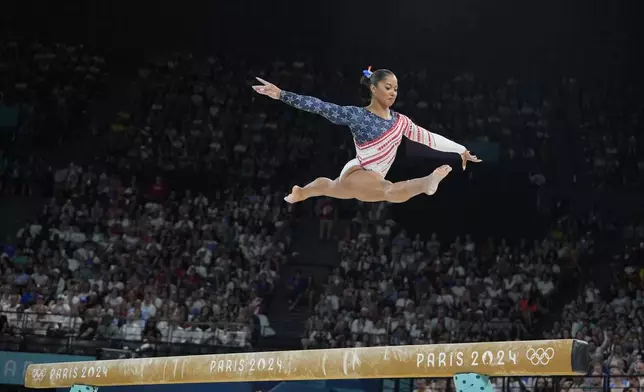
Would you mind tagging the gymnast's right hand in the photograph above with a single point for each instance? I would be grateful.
(268, 89)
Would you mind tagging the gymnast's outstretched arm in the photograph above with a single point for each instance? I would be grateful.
(437, 142)
(339, 115)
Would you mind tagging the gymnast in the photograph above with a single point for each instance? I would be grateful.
(377, 132)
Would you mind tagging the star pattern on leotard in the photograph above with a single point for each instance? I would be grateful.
(365, 126)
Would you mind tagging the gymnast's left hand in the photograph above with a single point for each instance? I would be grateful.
(467, 156)
(268, 89)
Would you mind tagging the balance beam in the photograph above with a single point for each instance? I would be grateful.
(539, 357)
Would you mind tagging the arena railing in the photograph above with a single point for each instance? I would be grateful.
(48, 333)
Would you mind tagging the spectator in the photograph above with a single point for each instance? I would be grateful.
(327, 214)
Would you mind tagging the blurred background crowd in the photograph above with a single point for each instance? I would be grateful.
(143, 213)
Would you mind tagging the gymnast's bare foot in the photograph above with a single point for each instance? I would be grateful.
(436, 177)
(295, 196)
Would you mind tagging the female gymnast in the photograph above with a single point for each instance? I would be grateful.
(377, 132)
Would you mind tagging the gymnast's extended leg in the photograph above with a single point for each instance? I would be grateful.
(369, 186)
(321, 186)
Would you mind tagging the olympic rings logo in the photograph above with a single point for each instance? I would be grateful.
(540, 356)
(38, 374)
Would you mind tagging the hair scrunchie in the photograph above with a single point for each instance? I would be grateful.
(367, 72)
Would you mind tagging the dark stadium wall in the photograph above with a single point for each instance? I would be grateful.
(484, 200)
(523, 36)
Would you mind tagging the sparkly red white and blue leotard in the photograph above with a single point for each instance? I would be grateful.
(376, 138)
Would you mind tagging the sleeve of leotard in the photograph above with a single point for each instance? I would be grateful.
(431, 140)
(339, 115)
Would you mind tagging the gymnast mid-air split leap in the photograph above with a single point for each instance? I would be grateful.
(377, 132)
